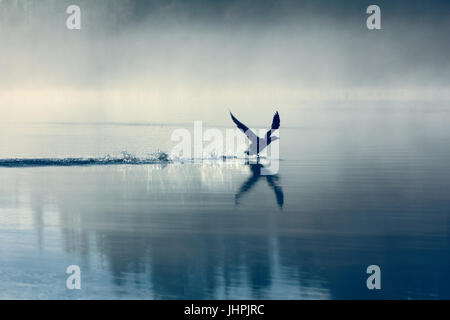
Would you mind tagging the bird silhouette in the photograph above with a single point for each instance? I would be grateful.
(258, 144)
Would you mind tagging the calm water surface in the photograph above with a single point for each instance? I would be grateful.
(357, 189)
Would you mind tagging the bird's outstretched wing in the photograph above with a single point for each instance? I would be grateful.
(275, 126)
(249, 133)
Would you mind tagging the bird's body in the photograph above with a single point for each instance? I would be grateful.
(258, 144)
(256, 147)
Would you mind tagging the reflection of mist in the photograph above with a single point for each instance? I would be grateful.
(37, 204)
(154, 231)
(173, 232)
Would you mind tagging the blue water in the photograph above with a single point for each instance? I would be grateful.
(355, 188)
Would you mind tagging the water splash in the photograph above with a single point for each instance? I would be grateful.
(124, 158)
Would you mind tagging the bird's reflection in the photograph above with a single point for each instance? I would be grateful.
(272, 181)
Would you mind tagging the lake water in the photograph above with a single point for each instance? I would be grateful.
(355, 188)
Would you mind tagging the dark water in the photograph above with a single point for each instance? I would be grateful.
(352, 191)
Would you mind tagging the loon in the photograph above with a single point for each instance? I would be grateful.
(257, 144)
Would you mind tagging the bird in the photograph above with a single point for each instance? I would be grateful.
(258, 144)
